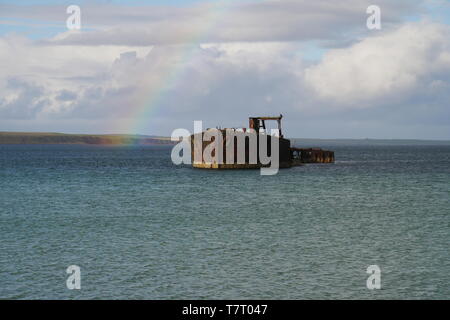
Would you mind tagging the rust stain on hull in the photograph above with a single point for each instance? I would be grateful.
(311, 155)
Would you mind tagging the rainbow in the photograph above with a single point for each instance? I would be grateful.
(149, 103)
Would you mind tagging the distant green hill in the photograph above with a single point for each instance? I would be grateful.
(119, 139)
(62, 138)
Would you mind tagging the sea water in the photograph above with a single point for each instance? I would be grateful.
(140, 227)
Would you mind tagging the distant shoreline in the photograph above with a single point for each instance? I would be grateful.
(130, 139)
(370, 142)
(91, 139)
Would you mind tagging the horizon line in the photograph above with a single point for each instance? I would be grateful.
(166, 136)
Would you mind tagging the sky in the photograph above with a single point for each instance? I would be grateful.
(150, 67)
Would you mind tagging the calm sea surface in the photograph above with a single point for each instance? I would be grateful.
(141, 228)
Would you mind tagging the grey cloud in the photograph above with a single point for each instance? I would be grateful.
(66, 95)
(211, 22)
(29, 100)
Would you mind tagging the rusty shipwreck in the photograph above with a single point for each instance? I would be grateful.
(246, 157)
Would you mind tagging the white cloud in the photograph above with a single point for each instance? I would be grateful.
(56, 70)
(391, 65)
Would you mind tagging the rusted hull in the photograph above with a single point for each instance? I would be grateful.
(198, 146)
(311, 155)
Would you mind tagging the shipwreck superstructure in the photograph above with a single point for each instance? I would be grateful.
(240, 148)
